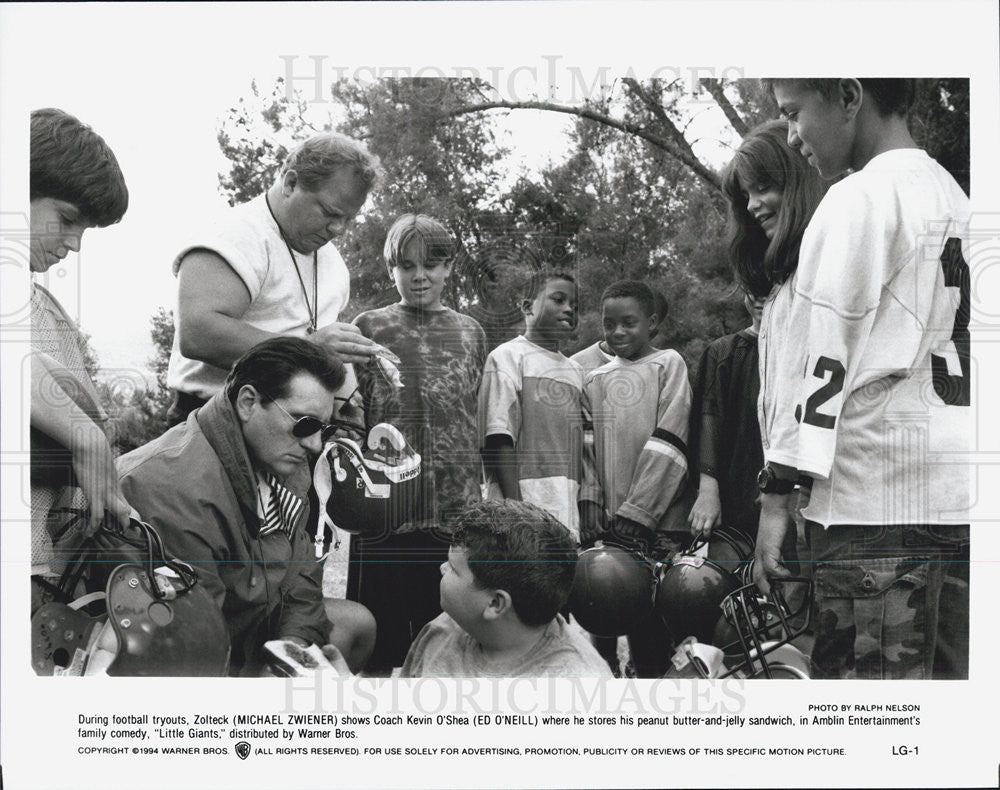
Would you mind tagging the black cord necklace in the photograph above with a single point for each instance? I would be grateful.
(312, 309)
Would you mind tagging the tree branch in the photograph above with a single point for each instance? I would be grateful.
(714, 87)
(706, 174)
(659, 113)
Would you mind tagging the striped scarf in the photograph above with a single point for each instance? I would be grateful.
(282, 507)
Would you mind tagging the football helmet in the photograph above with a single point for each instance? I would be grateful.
(612, 590)
(691, 587)
(729, 548)
(159, 621)
(367, 490)
(755, 631)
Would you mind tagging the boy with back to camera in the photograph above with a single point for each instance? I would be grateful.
(865, 388)
(530, 407)
(442, 354)
(509, 573)
(640, 404)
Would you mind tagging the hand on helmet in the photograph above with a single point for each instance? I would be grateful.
(94, 467)
(592, 522)
(629, 534)
(770, 535)
(706, 514)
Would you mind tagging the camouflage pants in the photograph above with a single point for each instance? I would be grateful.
(891, 601)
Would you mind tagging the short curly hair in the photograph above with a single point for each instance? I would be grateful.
(316, 159)
(632, 289)
(521, 549)
(535, 283)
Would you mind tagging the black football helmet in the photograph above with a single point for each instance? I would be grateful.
(368, 489)
(691, 587)
(612, 590)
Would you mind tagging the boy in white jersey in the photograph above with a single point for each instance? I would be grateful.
(865, 389)
(530, 411)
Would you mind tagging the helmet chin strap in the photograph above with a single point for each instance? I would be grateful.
(143, 595)
(323, 482)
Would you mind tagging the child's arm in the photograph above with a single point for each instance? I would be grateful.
(706, 513)
(661, 470)
(591, 500)
(500, 421)
(500, 460)
(56, 415)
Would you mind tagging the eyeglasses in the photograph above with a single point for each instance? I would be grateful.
(307, 426)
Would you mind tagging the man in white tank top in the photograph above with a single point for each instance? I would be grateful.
(269, 268)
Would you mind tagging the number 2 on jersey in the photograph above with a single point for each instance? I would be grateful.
(955, 390)
(813, 416)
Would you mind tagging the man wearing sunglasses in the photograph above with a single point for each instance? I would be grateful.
(227, 489)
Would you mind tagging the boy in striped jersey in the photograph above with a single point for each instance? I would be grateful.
(639, 403)
(530, 412)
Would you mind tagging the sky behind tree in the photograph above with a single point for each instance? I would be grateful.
(161, 120)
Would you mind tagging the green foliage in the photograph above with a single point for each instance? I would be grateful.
(254, 158)
(754, 103)
(449, 171)
(939, 121)
(138, 415)
(629, 200)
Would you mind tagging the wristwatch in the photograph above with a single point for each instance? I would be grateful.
(769, 483)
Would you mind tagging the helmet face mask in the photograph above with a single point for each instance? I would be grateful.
(764, 627)
(61, 639)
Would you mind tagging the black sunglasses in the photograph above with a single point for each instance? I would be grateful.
(307, 426)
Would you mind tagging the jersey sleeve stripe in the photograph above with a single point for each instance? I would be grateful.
(671, 438)
(668, 450)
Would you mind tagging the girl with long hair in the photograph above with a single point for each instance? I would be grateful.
(772, 192)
